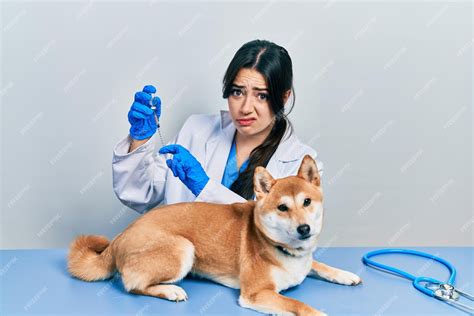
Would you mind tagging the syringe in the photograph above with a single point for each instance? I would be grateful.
(154, 103)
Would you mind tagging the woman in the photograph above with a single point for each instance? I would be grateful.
(214, 156)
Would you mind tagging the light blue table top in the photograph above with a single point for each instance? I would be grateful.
(37, 282)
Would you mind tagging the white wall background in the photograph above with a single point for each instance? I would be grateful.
(383, 93)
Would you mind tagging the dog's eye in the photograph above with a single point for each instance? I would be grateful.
(283, 207)
(306, 202)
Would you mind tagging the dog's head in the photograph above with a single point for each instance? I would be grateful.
(289, 211)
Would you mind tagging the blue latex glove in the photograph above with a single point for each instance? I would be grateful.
(141, 116)
(186, 167)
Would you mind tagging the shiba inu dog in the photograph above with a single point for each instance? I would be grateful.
(260, 247)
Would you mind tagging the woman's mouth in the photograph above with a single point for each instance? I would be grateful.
(246, 122)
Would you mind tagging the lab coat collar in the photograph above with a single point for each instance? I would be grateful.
(218, 147)
(287, 150)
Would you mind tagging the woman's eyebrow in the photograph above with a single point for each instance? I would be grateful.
(253, 88)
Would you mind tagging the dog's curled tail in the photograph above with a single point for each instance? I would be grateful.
(90, 258)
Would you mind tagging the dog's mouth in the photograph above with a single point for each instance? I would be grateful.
(305, 237)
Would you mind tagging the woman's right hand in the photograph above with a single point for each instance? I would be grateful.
(141, 117)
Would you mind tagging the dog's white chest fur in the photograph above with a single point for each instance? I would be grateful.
(293, 271)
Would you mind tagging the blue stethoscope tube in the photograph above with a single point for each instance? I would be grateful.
(416, 280)
(450, 293)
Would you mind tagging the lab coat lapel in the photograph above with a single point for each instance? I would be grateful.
(285, 153)
(218, 148)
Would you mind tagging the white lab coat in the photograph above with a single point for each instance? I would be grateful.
(142, 180)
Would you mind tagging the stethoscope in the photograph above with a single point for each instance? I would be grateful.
(444, 291)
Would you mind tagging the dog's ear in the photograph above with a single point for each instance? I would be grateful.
(262, 182)
(309, 171)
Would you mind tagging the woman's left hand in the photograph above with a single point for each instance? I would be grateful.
(186, 167)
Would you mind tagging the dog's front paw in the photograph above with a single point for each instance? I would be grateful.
(315, 313)
(346, 278)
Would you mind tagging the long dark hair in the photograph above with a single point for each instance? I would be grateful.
(274, 63)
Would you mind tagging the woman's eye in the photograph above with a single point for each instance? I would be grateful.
(263, 96)
(306, 202)
(282, 207)
(236, 92)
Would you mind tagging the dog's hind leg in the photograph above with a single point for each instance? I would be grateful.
(150, 271)
(167, 291)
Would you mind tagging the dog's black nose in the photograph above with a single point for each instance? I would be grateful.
(303, 230)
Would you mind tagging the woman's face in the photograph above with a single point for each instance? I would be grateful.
(248, 102)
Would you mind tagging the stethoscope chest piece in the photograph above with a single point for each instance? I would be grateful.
(447, 291)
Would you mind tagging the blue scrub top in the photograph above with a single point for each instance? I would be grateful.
(230, 172)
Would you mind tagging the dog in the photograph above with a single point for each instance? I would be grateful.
(260, 247)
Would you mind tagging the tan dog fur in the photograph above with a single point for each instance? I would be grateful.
(232, 244)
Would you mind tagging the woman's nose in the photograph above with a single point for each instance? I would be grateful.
(247, 106)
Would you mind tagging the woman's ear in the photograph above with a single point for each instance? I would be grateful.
(286, 95)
